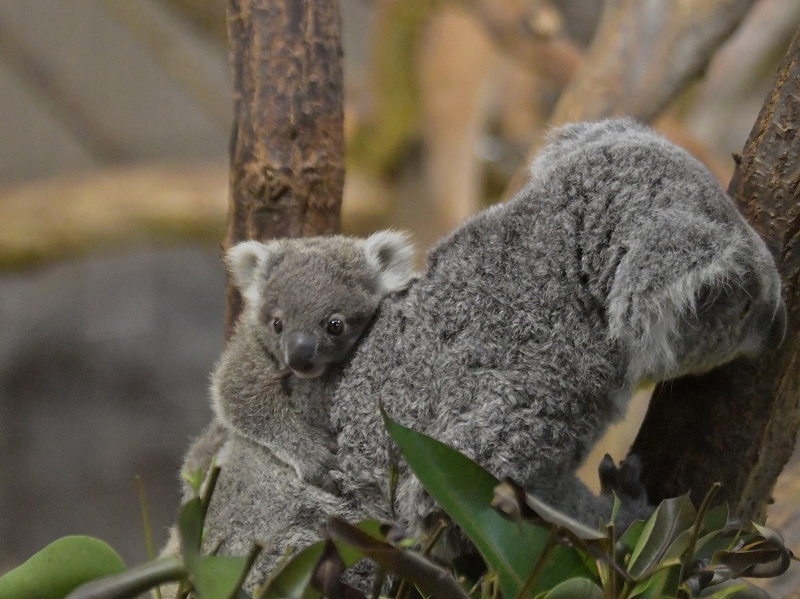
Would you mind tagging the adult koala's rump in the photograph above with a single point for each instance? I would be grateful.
(621, 260)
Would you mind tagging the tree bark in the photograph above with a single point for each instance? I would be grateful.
(738, 424)
(287, 144)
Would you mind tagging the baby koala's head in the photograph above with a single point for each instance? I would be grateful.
(309, 300)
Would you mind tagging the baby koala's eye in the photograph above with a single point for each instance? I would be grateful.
(277, 325)
(335, 326)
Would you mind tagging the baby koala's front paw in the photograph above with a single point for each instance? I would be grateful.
(316, 464)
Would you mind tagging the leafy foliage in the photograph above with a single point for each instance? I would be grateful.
(531, 550)
(59, 568)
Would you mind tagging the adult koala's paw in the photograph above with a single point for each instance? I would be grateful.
(624, 480)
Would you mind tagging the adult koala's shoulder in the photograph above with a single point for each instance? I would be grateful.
(621, 260)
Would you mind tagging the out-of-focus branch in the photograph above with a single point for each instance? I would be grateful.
(382, 137)
(644, 54)
(207, 15)
(738, 423)
(287, 148)
(175, 57)
(101, 143)
(73, 215)
(532, 33)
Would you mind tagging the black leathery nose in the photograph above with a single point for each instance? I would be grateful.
(300, 350)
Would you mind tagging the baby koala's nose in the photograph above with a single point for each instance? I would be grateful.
(301, 348)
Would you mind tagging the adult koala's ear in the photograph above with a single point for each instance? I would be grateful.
(391, 255)
(661, 270)
(245, 261)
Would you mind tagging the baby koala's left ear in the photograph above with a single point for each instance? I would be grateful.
(245, 260)
(391, 255)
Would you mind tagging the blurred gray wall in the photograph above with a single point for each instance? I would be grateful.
(103, 377)
(104, 361)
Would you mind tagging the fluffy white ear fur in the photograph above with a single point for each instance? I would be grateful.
(391, 254)
(244, 260)
(647, 323)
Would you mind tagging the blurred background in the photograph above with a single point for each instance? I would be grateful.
(114, 124)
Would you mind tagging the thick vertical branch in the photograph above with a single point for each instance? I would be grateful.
(287, 146)
(737, 424)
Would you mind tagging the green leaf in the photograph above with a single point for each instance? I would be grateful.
(190, 528)
(663, 583)
(576, 588)
(715, 519)
(292, 580)
(62, 566)
(671, 518)
(735, 589)
(216, 577)
(351, 556)
(631, 536)
(465, 490)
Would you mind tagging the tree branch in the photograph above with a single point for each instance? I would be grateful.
(644, 54)
(287, 168)
(532, 33)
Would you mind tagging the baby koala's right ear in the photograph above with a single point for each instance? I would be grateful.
(391, 254)
(244, 261)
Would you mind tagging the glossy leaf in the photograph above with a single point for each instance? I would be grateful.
(737, 589)
(631, 536)
(190, 527)
(663, 583)
(292, 580)
(216, 577)
(465, 490)
(62, 566)
(576, 588)
(671, 518)
(715, 519)
(294, 577)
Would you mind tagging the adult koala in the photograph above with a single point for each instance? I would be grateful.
(621, 260)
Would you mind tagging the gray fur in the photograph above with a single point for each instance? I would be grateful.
(272, 441)
(302, 285)
(622, 260)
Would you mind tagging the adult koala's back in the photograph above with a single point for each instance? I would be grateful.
(622, 260)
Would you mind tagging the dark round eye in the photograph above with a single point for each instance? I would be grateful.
(335, 326)
(277, 325)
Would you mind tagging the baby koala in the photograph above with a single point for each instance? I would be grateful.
(307, 301)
